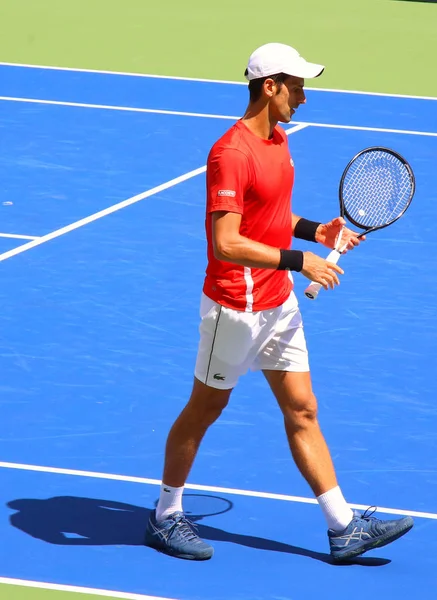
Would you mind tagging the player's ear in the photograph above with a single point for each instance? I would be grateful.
(269, 87)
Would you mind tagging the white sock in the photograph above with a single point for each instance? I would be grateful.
(337, 513)
(170, 501)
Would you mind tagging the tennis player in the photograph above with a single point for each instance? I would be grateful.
(249, 313)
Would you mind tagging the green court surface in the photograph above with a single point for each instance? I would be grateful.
(372, 45)
(385, 46)
(13, 592)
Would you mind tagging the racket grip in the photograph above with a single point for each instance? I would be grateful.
(314, 288)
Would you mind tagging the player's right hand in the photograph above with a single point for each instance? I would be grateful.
(321, 271)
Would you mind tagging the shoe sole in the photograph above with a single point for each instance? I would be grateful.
(176, 555)
(184, 556)
(376, 543)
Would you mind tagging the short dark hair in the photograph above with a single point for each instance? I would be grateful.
(255, 85)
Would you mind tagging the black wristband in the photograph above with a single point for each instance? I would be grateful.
(291, 260)
(306, 230)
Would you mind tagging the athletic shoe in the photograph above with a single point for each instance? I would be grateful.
(177, 537)
(365, 532)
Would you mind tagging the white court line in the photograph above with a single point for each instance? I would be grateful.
(377, 129)
(115, 207)
(120, 108)
(223, 81)
(204, 115)
(16, 236)
(100, 214)
(204, 488)
(297, 127)
(78, 590)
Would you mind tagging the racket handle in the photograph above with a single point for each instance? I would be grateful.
(314, 288)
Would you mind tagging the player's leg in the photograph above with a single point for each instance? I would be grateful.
(284, 362)
(311, 454)
(202, 410)
(224, 346)
(168, 529)
(293, 391)
(295, 397)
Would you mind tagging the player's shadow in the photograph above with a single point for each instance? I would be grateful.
(75, 521)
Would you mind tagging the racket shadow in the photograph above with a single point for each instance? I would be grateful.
(76, 521)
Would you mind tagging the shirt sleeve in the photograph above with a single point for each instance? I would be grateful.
(228, 179)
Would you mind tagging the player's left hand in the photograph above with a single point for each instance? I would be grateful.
(327, 234)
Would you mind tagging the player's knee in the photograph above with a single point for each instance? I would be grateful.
(212, 409)
(302, 412)
(206, 404)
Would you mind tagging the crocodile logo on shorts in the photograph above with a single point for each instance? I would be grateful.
(219, 376)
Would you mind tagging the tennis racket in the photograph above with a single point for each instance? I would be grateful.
(376, 188)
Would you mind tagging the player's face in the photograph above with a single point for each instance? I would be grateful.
(287, 99)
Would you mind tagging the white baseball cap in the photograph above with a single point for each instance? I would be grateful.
(279, 58)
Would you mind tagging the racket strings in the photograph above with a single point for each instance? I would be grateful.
(377, 188)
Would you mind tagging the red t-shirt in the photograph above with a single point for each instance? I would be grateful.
(252, 177)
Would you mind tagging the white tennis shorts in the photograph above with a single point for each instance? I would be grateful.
(232, 342)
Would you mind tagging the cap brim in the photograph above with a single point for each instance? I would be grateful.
(306, 70)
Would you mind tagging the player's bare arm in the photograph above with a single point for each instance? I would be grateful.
(230, 246)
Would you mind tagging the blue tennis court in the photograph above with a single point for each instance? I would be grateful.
(103, 189)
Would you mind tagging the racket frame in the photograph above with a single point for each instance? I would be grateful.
(344, 213)
(338, 250)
